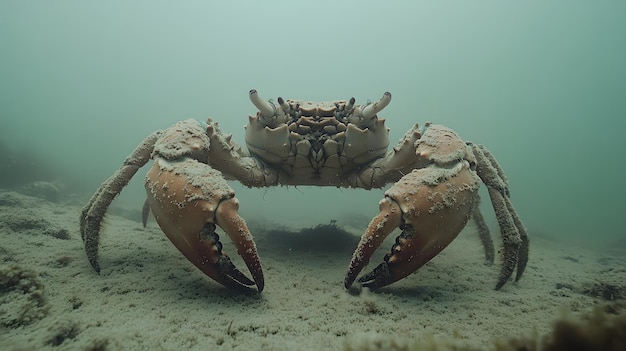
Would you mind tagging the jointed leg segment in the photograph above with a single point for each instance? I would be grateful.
(93, 212)
(514, 233)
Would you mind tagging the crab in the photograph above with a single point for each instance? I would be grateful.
(435, 178)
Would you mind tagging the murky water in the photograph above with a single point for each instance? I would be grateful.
(538, 83)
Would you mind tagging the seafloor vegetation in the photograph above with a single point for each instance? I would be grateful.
(602, 329)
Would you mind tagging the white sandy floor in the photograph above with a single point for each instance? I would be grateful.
(149, 297)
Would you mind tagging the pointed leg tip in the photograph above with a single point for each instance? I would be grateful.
(95, 265)
(518, 276)
(501, 282)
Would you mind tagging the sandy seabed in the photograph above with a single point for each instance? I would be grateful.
(149, 297)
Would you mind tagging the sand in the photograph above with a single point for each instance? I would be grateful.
(148, 297)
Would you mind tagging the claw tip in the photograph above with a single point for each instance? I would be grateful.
(355, 290)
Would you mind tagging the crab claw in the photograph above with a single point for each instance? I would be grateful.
(189, 199)
(431, 206)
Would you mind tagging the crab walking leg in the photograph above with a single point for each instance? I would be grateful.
(513, 231)
(93, 212)
(435, 205)
(188, 199)
(514, 237)
(510, 236)
(483, 234)
(522, 259)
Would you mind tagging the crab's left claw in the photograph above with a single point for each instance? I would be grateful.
(189, 199)
(431, 206)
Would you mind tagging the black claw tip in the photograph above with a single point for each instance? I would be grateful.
(355, 290)
(377, 278)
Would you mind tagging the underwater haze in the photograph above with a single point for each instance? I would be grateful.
(540, 83)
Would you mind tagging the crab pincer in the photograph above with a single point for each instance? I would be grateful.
(430, 205)
(189, 200)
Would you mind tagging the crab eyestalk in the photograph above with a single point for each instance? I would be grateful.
(271, 115)
(371, 110)
(266, 108)
(363, 116)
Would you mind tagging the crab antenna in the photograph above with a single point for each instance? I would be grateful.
(371, 110)
(267, 109)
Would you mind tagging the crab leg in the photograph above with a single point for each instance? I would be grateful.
(513, 231)
(93, 213)
(431, 206)
(189, 199)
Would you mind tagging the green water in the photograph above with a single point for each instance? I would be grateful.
(541, 83)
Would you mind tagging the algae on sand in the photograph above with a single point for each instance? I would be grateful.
(603, 329)
(22, 299)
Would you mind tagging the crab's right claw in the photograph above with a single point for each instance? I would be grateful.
(430, 215)
(189, 199)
